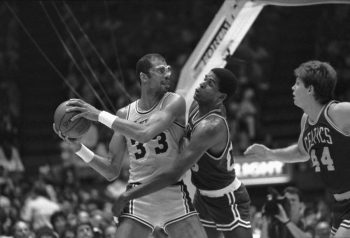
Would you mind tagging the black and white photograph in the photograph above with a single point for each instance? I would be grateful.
(175, 119)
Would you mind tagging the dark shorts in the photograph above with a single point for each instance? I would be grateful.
(341, 215)
(224, 213)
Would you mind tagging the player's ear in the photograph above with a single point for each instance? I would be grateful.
(223, 96)
(143, 76)
(310, 89)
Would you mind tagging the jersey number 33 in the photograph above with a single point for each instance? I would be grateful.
(161, 148)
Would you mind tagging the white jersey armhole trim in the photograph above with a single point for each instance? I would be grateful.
(128, 112)
(302, 133)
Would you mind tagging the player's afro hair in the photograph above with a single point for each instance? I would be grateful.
(227, 81)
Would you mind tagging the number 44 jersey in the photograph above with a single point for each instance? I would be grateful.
(329, 151)
(165, 145)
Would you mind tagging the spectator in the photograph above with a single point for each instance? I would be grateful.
(59, 222)
(84, 230)
(323, 211)
(10, 159)
(83, 216)
(322, 230)
(247, 113)
(21, 230)
(46, 232)
(310, 218)
(111, 231)
(72, 219)
(38, 207)
(69, 233)
(288, 223)
(7, 216)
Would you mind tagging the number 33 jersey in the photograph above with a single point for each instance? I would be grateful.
(165, 145)
(329, 151)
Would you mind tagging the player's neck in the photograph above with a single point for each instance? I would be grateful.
(204, 108)
(148, 100)
(313, 111)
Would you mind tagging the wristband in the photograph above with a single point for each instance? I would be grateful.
(286, 223)
(85, 154)
(106, 118)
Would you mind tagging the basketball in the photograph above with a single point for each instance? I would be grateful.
(71, 129)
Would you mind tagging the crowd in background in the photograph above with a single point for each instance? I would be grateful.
(69, 201)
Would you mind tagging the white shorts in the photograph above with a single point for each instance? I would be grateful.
(160, 208)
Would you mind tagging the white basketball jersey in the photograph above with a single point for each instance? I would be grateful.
(164, 145)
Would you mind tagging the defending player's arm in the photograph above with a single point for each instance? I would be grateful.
(206, 135)
(291, 154)
(174, 107)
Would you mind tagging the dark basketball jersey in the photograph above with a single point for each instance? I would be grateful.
(329, 150)
(212, 172)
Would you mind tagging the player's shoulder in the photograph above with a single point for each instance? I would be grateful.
(174, 96)
(340, 107)
(211, 125)
(123, 112)
(171, 98)
(339, 113)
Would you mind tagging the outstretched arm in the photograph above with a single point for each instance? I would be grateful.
(174, 107)
(291, 154)
(205, 136)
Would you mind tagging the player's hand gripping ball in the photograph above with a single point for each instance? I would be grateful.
(71, 129)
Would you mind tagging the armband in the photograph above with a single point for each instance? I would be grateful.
(85, 154)
(106, 118)
(286, 223)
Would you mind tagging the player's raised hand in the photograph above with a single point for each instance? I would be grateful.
(256, 151)
(85, 109)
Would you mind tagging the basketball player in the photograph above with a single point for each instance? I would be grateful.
(324, 137)
(221, 199)
(149, 129)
